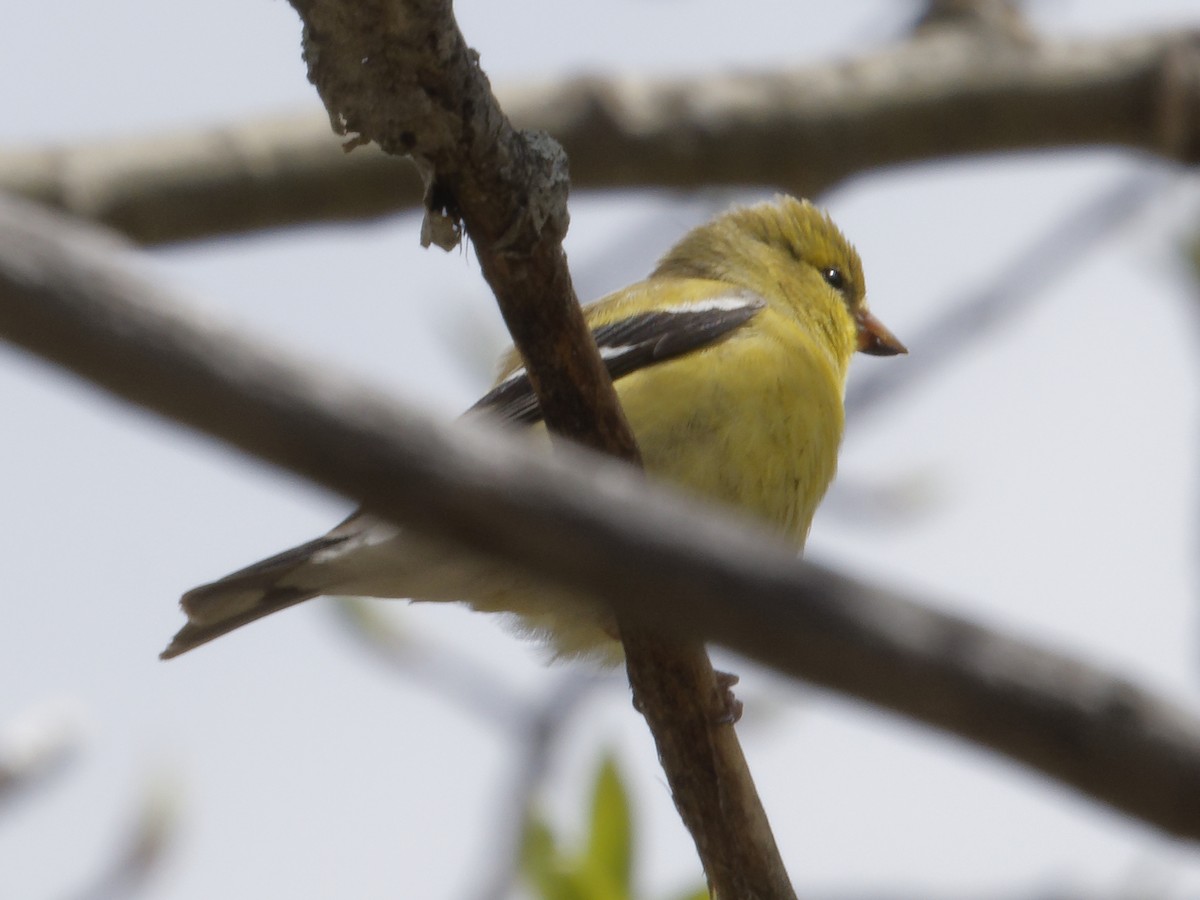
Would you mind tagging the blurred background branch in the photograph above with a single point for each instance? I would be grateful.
(142, 845)
(535, 725)
(36, 746)
(942, 93)
(1051, 255)
(67, 295)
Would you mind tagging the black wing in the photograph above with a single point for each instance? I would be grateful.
(636, 342)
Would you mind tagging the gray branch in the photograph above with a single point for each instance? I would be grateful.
(594, 526)
(946, 92)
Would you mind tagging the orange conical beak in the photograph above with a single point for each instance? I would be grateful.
(874, 337)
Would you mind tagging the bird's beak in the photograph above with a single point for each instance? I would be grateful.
(874, 337)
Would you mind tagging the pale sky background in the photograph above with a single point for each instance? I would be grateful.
(1051, 473)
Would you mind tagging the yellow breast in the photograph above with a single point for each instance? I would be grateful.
(756, 426)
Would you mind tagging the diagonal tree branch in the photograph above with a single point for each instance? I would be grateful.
(399, 73)
(74, 298)
(944, 92)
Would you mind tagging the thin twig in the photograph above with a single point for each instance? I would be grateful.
(143, 846)
(543, 726)
(535, 725)
(455, 676)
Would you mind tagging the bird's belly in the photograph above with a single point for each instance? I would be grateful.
(763, 440)
(765, 444)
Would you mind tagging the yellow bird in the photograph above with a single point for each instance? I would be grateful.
(730, 361)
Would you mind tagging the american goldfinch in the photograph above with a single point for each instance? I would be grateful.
(730, 362)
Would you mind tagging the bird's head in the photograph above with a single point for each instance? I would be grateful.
(791, 253)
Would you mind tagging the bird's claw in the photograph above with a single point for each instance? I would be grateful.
(730, 706)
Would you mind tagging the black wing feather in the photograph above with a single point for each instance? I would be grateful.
(630, 344)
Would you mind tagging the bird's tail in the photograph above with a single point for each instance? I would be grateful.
(248, 594)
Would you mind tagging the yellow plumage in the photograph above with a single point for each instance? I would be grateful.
(730, 362)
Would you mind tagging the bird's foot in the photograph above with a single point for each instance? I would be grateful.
(730, 706)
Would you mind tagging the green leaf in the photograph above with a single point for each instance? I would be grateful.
(543, 865)
(700, 893)
(607, 862)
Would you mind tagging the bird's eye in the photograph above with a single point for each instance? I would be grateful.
(834, 278)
